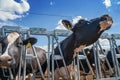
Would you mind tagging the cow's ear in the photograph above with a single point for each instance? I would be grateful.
(67, 24)
(30, 41)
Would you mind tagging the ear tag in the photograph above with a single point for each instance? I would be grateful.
(88, 52)
(28, 44)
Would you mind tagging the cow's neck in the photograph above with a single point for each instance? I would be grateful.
(68, 48)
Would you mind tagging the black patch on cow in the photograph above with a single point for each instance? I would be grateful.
(4, 45)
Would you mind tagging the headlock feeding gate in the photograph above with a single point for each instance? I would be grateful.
(53, 39)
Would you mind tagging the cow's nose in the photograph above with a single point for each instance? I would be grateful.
(10, 59)
(5, 60)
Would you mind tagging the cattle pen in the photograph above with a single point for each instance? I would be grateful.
(97, 72)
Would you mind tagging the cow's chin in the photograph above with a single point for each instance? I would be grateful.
(4, 67)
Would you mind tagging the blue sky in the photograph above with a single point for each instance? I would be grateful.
(48, 13)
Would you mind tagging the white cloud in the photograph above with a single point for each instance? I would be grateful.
(107, 3)
(60, 25)
(7, 23)
(52, 3)
(118, 2)
(10, 9)
(76, 19)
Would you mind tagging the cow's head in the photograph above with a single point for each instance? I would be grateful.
(11, 49)
(87, 32)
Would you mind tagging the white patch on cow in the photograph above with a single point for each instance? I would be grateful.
(11, 39)
(78, 49)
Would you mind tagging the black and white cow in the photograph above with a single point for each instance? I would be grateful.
(11, 46)
(85, 32)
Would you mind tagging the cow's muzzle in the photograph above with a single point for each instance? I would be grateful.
(5, 61)
(106, 22)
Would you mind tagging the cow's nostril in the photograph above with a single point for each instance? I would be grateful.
(10, 59)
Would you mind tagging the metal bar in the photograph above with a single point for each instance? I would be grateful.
(113, 56)
(78, 67)
(53, 76)
(21, 61)
(88, 62)
(11, 75)
(74, 70)
(48, 57)
(105, 57)
(39, 66)
(115, 46)
(97, 56)
(59, 46)
(24, 69)
(97, 74)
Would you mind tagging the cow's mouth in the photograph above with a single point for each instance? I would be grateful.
(4, 64)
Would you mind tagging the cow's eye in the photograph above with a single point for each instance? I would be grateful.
(19, 44)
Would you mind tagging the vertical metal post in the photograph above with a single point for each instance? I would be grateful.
(97, 56)
(78, 67)
(21, 60)
(74, 69)
(113, 56)
(24, 69)
(114, 45)
(39, 66)
(11, 75)
(88, 63)
(105, 58)
(48, 57)
(3, 32)
(28, 34)
(96, 64)
(53, 76)
(61, 53)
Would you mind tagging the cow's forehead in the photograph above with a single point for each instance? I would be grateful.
(12, 37)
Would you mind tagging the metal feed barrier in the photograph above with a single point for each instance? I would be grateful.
(36, 31)
(53, 36)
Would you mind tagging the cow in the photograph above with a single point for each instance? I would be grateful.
(110, 59)
(105, 69)
(85, 32)
(11, 47)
